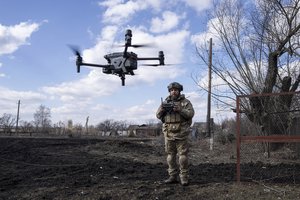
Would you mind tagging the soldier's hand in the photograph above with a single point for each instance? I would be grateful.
(162, 110)
(177, 107)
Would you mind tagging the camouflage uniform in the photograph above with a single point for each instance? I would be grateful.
(176, 129)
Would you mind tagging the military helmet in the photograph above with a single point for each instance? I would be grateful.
(175, 85)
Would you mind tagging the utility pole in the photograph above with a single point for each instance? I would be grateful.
(208, 121)
(87, 125)
(18, 116)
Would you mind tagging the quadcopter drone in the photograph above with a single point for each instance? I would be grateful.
(121, 63)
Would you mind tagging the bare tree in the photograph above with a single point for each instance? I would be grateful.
(121, 125)
(26, 127)
(7, 122)
(111, 125)
(59, 128)
(106, 125)
(257, 52)
(42, 118)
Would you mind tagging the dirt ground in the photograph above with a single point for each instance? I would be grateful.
(124, 168)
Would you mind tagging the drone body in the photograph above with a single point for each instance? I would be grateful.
(121, 63)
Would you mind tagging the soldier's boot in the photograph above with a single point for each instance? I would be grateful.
(184, 181)
(183, 162)
(171, 179)
(172, 171)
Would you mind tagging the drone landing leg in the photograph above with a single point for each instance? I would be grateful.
(122, 79)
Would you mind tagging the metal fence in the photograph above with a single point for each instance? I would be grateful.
(268, 137)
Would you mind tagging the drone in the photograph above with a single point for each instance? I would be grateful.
(121, 63)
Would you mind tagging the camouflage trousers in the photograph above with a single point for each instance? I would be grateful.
(180, 148)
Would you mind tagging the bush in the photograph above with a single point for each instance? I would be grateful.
(225, 138)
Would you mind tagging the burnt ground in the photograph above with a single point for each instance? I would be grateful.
(118, 168)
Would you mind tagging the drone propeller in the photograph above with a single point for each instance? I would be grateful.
(140, 45)
(156, 65)
(75, 50)
(152, 65)
(79, 58)
(135, 45)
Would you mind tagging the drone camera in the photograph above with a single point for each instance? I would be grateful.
(106, 71)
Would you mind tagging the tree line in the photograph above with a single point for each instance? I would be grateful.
(42, 124)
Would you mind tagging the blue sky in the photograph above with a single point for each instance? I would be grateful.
(37, 67)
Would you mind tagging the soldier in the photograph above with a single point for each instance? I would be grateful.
(176, 113)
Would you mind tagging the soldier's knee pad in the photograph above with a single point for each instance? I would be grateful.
(171, 158)
(183, 161)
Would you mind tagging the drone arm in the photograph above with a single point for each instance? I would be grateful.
(125, 51)
(147, 58)
(161, 61)
(160, 57)
(95, 65)
(80, 63)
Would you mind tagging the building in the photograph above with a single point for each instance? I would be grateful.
(144, 130)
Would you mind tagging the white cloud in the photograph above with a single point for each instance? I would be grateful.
(12, 37)
(29, 102)
(174, 45)
(8, 94)
(199, 102)
(79, 99)
(93, 85)
(152, 74)
(169, 21)
(201, 39)
(141, 113)
(199, 5)
(117, 11)
(104, 44)
(110, 3)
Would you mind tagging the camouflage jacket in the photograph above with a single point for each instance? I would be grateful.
(176, 125)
